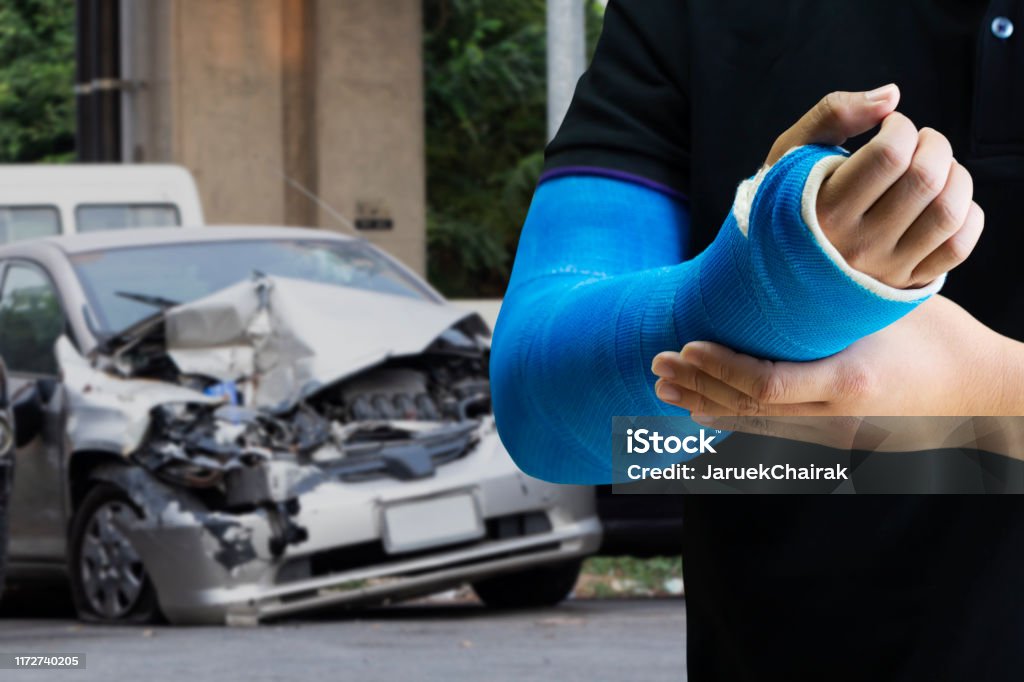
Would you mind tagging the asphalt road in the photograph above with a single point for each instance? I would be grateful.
(580, 640)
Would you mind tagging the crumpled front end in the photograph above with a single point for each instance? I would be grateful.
(286, 459)
(218, 566)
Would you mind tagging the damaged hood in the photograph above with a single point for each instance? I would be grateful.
(292, 337)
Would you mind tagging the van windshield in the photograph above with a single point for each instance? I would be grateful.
(95, 217)
(184, 272)
(28, 222)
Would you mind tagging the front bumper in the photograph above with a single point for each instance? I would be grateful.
(216, 567)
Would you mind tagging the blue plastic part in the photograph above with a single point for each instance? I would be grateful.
(224, 389)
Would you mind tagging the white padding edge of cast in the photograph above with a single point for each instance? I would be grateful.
(744, 201)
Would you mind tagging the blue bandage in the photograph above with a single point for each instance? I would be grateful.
(599, 288)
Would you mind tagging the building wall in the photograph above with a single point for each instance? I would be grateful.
(326, 93)
(369, 91)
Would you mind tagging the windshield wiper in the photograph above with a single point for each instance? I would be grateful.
(148, 299)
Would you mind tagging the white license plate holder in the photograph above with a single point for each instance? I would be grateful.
(432, 522)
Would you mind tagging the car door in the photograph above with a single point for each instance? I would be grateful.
(31, 321)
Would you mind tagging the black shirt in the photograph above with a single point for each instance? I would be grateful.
(691, 95)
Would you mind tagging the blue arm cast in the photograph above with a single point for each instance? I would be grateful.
(601, 284)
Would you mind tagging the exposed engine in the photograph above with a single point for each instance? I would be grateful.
(401, 419)
(399, 403)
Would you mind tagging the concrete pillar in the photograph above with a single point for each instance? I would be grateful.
(299, 98)
(258, 96)
(370, 120)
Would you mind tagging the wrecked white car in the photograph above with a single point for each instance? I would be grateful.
(232, 424)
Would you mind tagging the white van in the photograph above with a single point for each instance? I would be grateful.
(47, 199)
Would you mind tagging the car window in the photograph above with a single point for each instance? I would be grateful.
(28, 222)
(31, 320)
(95, 217)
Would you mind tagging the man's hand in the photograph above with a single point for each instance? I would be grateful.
(900, 209)
(936, 361)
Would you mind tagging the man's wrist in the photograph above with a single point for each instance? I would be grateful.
(1007, 365)
(988, 367)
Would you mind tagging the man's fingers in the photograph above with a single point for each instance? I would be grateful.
(954, 250)
(696, 403)
(869, 172)
(742, 373)
(766, 382)
(929, 173)
(837, 117)
(943, 218)
(686, 376)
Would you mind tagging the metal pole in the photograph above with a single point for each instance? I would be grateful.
(128, 31)
(566, 57)
(106, 84)
(98, 85)
(85, 134)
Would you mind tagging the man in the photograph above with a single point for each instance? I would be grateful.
(684, 99)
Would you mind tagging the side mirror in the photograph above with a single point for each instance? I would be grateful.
(28, 414)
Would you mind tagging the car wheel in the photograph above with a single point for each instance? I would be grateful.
(108, 580)
(534, 587)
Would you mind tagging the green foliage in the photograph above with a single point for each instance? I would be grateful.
(625, 576)
(485, 134)
(37, 106)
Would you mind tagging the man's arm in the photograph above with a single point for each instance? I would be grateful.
(598, 287)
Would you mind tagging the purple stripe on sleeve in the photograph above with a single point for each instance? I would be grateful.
(615, 175)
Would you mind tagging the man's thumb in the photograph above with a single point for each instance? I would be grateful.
(838, 117)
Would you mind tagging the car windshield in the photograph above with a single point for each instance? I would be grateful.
(124, 285)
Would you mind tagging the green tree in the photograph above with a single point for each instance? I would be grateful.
(485, 134)
(37, 65)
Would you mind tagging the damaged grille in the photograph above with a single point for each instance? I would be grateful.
(407, 459)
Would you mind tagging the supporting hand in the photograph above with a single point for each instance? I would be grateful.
(938, 360)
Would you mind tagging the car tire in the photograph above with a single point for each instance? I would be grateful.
(532, 588)
(108, 581)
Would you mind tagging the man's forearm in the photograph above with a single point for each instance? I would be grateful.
(995, 386)
(941, 361)
(588, 307)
